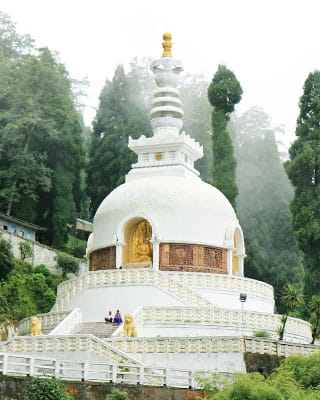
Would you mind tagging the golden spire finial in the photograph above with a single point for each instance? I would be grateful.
(166, 44)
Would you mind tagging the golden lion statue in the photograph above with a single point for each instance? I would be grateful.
(129, 327)
(35, 326)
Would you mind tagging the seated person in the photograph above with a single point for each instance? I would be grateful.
(117, 319)
(109, 317)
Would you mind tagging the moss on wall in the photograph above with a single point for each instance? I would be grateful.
(13, 388)
(263, 363)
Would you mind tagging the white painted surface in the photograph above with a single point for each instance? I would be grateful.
(78, 356)
(216, 362)
(230, 300)
(189, 330)
(95, 302)
(200, 329)
(179, 209)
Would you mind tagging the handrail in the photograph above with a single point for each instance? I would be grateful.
(94, 371)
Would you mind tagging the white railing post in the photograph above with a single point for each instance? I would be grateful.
(57, 369)
(85, 371)
(114, 373)
(166, 377)
(141, 375)
(5, 364)
(31, 366)
(191, 382)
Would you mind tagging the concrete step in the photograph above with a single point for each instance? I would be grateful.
(99, 329)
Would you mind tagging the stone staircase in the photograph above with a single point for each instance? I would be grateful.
(98, 329)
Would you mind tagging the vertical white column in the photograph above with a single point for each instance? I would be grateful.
(155, 254)
(241, 265)
(229, 261)
(119, 246)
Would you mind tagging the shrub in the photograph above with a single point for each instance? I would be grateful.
(46, 388)
(117, 395)
(41, 269)
(261, 334)
(25, 250)
(68, 264)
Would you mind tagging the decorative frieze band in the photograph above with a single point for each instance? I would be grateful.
(192, 258)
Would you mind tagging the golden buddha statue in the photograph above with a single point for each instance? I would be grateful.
(141, 248)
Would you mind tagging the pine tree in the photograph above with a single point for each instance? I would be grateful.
(121, 114)
(224, 93)
(303, 169)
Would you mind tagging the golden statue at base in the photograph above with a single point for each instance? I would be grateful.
(141, 248)
(35, 326)
(129, 326)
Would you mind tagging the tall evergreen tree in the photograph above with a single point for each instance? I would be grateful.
(12, 45)
(41, 154)
(224, 93)
(303, 169)
(263, 203)
(121, 114)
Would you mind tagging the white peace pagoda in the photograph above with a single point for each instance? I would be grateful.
(167, 248)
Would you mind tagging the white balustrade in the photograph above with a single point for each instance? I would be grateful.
(214, 316)
(69, 289)
(211, 345)
(226, 282)
(65, 343)
(25, 365)
(48, 321)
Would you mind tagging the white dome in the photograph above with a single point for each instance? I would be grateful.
(179, 209)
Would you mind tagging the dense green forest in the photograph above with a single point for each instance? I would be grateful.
(41, 130)
(54, 169)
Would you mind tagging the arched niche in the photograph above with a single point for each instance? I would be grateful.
(137, 251)
(238, 252)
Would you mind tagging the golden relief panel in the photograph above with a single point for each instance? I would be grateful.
(141, 248)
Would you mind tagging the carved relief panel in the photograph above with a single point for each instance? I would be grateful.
(103, 259)
(180, 254)
(192, 258)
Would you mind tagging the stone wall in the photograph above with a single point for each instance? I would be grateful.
(41, 254)
(14, 389)
(192, 258)
(263, 363)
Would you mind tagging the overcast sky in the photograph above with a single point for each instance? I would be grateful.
(270, 45)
